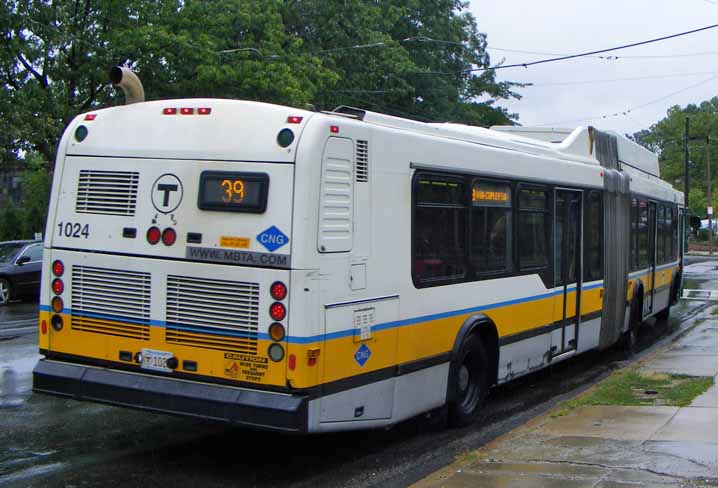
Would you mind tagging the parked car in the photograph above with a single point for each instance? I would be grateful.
(20, 266)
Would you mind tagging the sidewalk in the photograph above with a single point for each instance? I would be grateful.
(610, 446)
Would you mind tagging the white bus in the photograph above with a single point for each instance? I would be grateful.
(302, 271)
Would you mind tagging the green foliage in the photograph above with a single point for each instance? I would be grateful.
(36, 182)
(629, 386)
(406, 57)
(10, 223)
(413, 61)
(55, 58)
(666, 138)
(29, 218)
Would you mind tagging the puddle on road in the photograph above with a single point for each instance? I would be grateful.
(16, 375)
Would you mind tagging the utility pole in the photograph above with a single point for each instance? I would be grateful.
(686, 184)
(710, 199)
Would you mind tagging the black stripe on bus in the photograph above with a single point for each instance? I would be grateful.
(544, 329)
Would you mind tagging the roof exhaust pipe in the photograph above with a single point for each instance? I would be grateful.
(129, 82)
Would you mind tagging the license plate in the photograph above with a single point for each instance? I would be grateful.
(156, 360)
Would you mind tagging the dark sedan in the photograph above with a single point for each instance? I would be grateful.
(20, 266)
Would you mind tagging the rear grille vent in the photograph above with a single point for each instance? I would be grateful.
(111, 302)
(212, 314)
(107, 192)
(362, 161)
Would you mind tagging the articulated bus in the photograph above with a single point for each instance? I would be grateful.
(322, 271)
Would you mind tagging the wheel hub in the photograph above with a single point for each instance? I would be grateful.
(463, 378)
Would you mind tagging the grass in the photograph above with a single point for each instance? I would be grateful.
(632, 388)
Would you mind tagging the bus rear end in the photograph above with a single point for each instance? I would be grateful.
(166, 279)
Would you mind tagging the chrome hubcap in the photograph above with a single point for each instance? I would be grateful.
(463, 378)
(4, 292)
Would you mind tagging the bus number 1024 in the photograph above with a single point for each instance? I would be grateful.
(73, 229)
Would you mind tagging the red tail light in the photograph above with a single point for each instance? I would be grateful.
(294, 119)
(278, 290)
(186, 111)
(58, 269)
(277, 311)
(58, 286)
(169, 111)
(90, 116)
(169, 236)
(153, 235)
(204, 111)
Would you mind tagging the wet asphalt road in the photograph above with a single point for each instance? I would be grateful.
(46, 441)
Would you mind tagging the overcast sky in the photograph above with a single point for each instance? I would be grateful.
(573, 26)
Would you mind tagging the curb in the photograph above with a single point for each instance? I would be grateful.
(461, 460)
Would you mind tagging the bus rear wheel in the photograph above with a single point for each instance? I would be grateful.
(468, 382)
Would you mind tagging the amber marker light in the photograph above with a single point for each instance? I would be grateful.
(312, 356)
(57, 304)
(276, 331)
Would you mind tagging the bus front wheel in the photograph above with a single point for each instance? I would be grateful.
(468, 382)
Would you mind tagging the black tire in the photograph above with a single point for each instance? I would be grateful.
(468, 382)
(664, 314)
(5, 291)
(630, 337)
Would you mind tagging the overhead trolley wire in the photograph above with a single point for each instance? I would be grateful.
(591, 53)
(632, 109)
(634, 78)
(612, 58)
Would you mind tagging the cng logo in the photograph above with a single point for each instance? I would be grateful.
(272, 238)
(167, 193)
(362, 355)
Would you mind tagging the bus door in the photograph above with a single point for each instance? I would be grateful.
(651, 280)
(568, 264)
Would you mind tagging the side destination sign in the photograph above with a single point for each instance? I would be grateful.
(233, 256)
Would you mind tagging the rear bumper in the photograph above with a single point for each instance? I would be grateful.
(261, 409)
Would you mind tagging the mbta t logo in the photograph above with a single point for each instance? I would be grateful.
(167, 193)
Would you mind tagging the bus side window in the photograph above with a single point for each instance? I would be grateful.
(667, 232)
(634, 234)
(534, 228)
(439, 230)
(593, 237)
(491, 227)
(674, 234)
(643, 251)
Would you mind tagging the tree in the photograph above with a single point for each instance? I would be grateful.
(414, 58)
(666, 138)
(406, 57)
(36, 183)
(55, 57)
